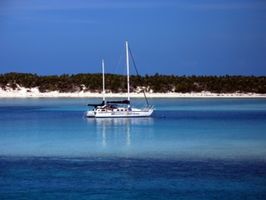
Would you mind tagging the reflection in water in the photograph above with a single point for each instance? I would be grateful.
(121, 121)
(128, 135)
(118, 131)
(103, 136)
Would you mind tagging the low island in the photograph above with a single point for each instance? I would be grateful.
(26, 85)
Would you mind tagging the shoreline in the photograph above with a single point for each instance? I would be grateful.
(34, 93)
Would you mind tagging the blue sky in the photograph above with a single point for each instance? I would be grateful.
(183, 37)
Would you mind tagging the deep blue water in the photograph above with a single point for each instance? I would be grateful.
(189, 149)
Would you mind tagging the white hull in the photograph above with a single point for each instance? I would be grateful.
(117, 114)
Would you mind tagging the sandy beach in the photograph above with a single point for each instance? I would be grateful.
(22, 92)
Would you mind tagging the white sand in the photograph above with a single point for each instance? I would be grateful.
(22, 92)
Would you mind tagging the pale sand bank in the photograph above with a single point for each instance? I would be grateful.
(34, 93)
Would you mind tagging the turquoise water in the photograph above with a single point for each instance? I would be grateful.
(189, 149)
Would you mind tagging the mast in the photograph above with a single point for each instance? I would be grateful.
(127, 62)
(103, 80)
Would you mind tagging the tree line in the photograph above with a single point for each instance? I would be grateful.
(117, 83)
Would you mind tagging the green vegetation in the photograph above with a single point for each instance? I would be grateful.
(117, 83)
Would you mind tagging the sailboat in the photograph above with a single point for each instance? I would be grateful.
(123, 109)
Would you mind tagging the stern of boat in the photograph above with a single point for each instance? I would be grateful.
(90, 113)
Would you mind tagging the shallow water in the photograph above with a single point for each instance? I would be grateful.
(189, 149)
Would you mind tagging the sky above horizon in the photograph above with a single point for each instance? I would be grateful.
(166, 36)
